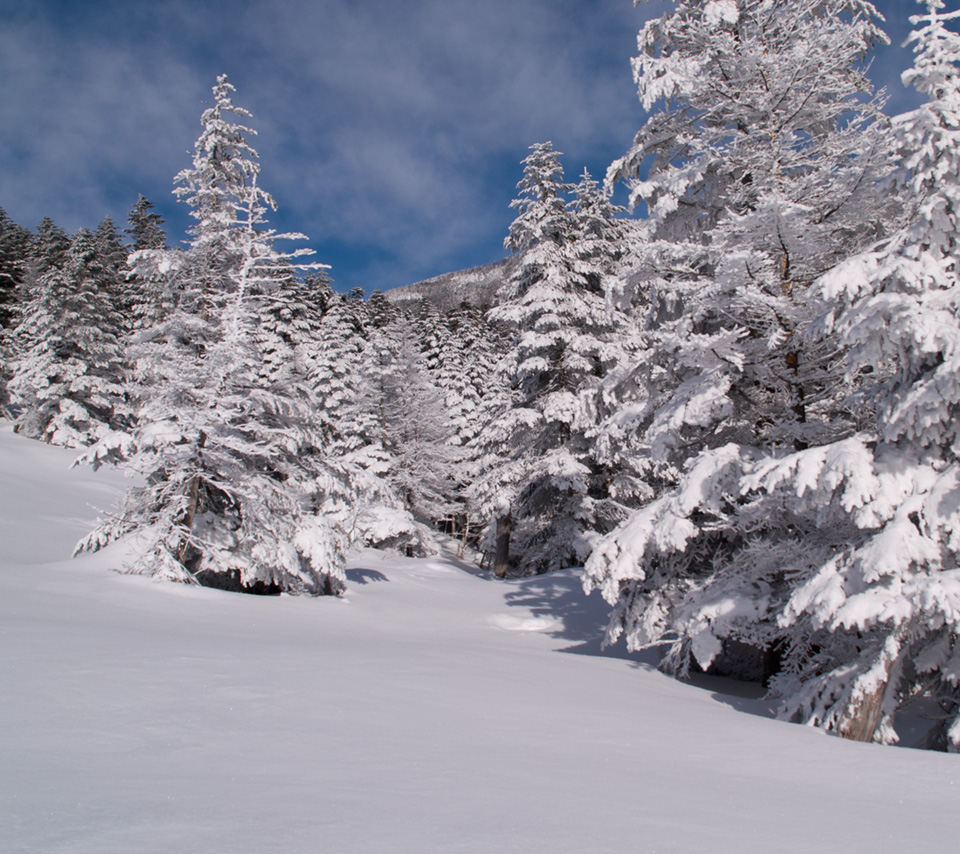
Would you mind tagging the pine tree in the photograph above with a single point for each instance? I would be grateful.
(542, 488)
(50, 246)
(15, 257)
(395, 433)
(289, 329)
(382, 311)
(870, 616)
(145, 226)
(333, 370)
(416, 429)
(238, 490)
(764, 159)
(146, 300)
(68, 379)
(15, 252)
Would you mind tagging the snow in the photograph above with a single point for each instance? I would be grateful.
(720, 12)
(431, 709)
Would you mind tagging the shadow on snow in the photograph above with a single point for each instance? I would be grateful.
(580, 621)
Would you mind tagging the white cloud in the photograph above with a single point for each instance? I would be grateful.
(397, 128)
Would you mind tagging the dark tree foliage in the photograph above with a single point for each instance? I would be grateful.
(145, 226)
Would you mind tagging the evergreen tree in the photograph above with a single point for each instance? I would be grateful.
(382, 311)
(238, 490)
(50, 246)
(68, 379)
(15, 257)
(146, 298)
(394, 509)
(416, 428)
(15, 251)
(763, 174)
(111, 251)
(112, 261)
(145, 226)
(333, 370)
(542, 488)
(290, 317)
(870, 616)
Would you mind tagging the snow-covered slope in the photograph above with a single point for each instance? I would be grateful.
(429, 710)
(476, 287)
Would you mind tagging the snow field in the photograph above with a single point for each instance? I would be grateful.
(431, 709)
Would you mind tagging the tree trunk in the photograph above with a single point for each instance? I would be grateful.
(193, 500)
(193, 496)
(799, 405)
(504, 529)
(861, 719)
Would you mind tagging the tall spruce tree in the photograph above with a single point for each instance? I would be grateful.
(145, 226)
(50, 246)
(541, 491)
(764, 158)
(15, 256)
(869, 616)
(237, 489)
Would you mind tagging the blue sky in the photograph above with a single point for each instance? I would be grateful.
(390, 131)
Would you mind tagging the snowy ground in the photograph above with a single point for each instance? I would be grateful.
(429, 710)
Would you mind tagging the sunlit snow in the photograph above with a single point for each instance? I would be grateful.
(430, 710)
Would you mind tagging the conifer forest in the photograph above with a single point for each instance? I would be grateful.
(734, 400)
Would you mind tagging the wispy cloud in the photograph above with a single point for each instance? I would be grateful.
(390, 133)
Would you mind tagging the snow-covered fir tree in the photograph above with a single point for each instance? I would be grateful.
(872, 619)
(333, 368)
(15, 250)
(764, 156)
(418, 430)
(290, 318)
(50, 246)
(237, 491)
(466, 356)
(400, 439)
(145, 226)
(541, 486)
(15, 257)
(68, 378)
(146, 297)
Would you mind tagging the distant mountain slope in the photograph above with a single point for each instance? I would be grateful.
(477, 286)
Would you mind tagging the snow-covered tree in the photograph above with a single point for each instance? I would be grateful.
(541, 487)
(873, 616)
(466, 357)
(290, 318)
(399, 439)
(418, 430)
(468, 362)
(759, 167)
(50, 246)
(69, 374)
(14, 255)
(844, 554)
(237, 489)
(145, 226)
(333, 368)
(146, 298)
